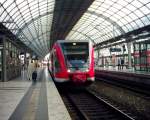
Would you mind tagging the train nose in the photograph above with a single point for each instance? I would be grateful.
(79, 78)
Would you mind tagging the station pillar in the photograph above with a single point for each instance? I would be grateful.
(98, 56)
(4, 71)
(129, 54)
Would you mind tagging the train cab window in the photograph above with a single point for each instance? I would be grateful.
(76, 55)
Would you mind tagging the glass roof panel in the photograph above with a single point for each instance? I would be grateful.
(145, 9)
(117, 16)
(104, 19)
(31, 20)
(122, 2)
(19, 1)
(145, 20)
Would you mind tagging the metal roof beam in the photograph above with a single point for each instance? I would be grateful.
(107, 19)
(127, 36)
(32, 20)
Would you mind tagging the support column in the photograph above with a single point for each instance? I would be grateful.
(4, 60)
(129, 55)
(99, 60)
(97, 57)
(97, 53)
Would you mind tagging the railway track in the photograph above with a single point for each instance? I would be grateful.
(138, 103)
(140, 91)
(84, 105)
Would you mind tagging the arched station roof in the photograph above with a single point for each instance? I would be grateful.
(39, 23)
(108, 19)
(30, 21)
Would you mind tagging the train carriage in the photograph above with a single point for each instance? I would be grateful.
(72, 61)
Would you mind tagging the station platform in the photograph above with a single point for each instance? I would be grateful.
(126, 70)
(21, 99)
(139, 79)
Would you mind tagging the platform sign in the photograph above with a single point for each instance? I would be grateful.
(115, 49)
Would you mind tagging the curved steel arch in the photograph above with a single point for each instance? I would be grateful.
(83, 35)
(94, 27)
(36, 38)
(32, 20)
(107, 19)
(87, 37)
(41, 35)
(24, 6)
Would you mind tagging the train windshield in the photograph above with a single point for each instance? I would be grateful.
(76, 55)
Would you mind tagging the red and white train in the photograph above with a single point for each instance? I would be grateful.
(72, 61)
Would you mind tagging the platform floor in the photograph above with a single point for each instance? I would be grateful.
(20, 99)
(131, 70)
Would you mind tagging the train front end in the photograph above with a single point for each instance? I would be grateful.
(79, 61)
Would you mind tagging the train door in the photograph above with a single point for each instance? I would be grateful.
(55, 63)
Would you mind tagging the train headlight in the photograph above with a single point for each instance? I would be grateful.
(87, 70)
(69, 70)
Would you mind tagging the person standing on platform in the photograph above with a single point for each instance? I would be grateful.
(31, 69)
(119, 64)
(122, 63)
(34, 77)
